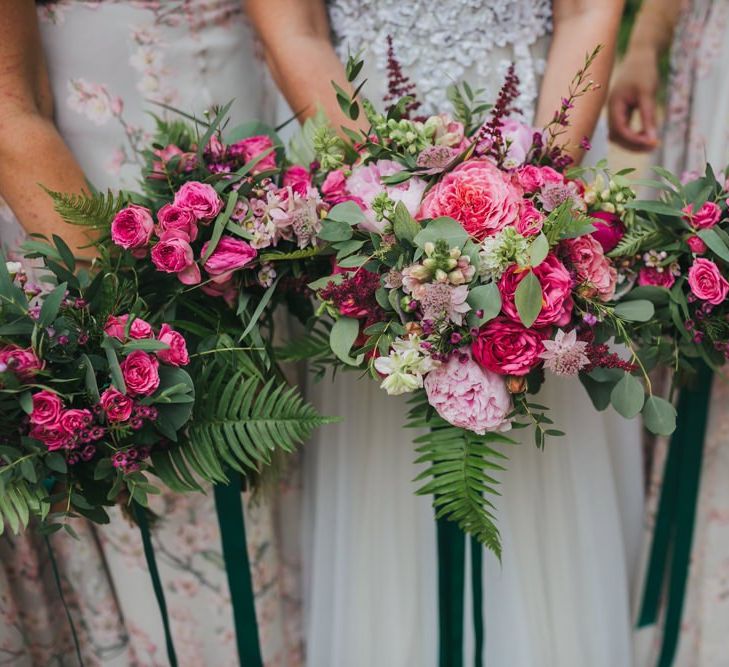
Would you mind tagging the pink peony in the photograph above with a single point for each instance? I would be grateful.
(117, 406)
(116, 328)
(175, 218)
(250, 148)
(556, 291)
(697, 246)
(47, 408)
(201, 199)
(21, 361)
(707, 216)
(518, 138)
(298, 179)
(53, 436)
(229, 255)
(598, 277)
(650, 275)
(132, 227)
(530, 219)
(74, 421)
(706, 281)
(529, 178)
(365, 183)
(176, 354)
(477, 195)
(173, 254)
(507, 347)
(468, 396)
(609, 229)
(141, 373)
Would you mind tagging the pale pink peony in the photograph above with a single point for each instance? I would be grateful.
(518, 138)
(707, 216)
(176, 354)
(477, 195)
(116, 327)
(650, 275)
(141, 373)
(468, 396)
(229, 255)
(117, 406)
(598, 277)
(21, 361)
(47, 408)
(132, 227)
(706, 281)
(175, 218)
(507, 347)
(201, 199)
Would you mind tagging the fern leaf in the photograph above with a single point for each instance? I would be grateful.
(19, 502)
(634, 241)
(94, 211)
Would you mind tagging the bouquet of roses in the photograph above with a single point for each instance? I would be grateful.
(467, 264)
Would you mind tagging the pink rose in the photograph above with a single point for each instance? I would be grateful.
(229, 255)
(334, 189)
(530, 219)
(186, 161)
(467, 396)
(116, 328)
(141, 373)
(74, 421)
(365, 183)
(175, 218)
(47, 408)
(21, 361)
(609, 229)
(298, 179)
(530, 178)
(706, 281)
(598, 277)
(507, 347)
(549, 175)
(176, 354)
(707, 216)
(477, 195)
(201, 199)
(117, 406)
(173, 254)
(697, 246)
(250, 148)
(227, 290)
(556, 292)
(53, 436)
(651, 276)
(132, 227)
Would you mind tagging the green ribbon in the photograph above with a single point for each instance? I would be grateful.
(674, 528)
(229, 505)
(141, 516)
(451, 594)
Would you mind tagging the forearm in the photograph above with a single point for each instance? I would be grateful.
(576, 35)
(654, 26)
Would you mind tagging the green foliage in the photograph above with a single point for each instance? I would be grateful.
(468, 106)
(19, 501)
(94, 211)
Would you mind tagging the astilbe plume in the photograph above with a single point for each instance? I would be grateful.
(600, 356)
(355, 297)
(489, 140)
(398, 83)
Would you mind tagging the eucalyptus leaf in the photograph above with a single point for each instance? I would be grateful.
(659, 416)
(335, 231)
(486, 298)
(639, 310)
(341, 339)
(403, 224)
(627, 396)
(347, 212)
(538, 250)
(528, 299)
(442, 228)
(715, 243)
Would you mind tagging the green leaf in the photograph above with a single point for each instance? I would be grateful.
(65, 252)
(627, 396)
(117, 377)
(335, 231)
(220, 222)
(347, 212)
(341, 338)
(403, 224)
(538, 250)
(94, 211)
(639, 310)
(442, 228)
(51, 305)
(528, 299)
(353, 262)
(486, 298)
(659, 416)
(92, 388)
(715, 243)
(261, 306)
(651, 206)
(26, 402)
(146, 344)
(55, 461)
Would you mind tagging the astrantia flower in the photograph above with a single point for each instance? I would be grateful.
(565, 355)
(555, 194)
(441, 300)
(499, 252)
(435, 159)
(405, 366)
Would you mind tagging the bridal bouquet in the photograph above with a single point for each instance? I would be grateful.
(467, 264)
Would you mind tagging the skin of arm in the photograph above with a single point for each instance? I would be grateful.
(31, 150)
(579, 26)
(637, 81)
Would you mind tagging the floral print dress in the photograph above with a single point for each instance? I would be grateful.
(110, 61)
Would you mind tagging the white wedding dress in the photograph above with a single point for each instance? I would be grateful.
(569, 516)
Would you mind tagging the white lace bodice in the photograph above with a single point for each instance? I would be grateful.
(439, 42)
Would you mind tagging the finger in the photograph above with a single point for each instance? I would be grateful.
(620, 112)
(647, 108)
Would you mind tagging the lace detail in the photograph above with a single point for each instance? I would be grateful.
(440, 42)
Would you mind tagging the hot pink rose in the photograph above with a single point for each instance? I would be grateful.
(116, 328)
(530, 178)
(173, 254)
(698, 247)
(530, 219)
(53, 436)
(141, 373)
(229, 255)
(706, 281)
(176, 354)
(298, 178)
(468, 396)
(507, 347)
(649, 275)
(597, 275)
(252, 147)
(47, 408)
(117, 406)
(707, 216)
(556, 292)
(477, 195)
(22, 361)
(201, 199)
(609, 229)
(132, 227)
(549, 175)
(74, 421)
(175, 218)
(227, 290)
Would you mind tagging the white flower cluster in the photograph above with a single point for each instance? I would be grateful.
(405, 366)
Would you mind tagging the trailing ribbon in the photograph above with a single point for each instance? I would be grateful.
(229, 505)
(673, 533)
(451, 594)
(141, 516)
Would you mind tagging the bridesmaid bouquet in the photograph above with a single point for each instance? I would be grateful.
(467, 263)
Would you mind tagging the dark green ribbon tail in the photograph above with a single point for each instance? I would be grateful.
(229, 504)
(670, 554)
(141, 516)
